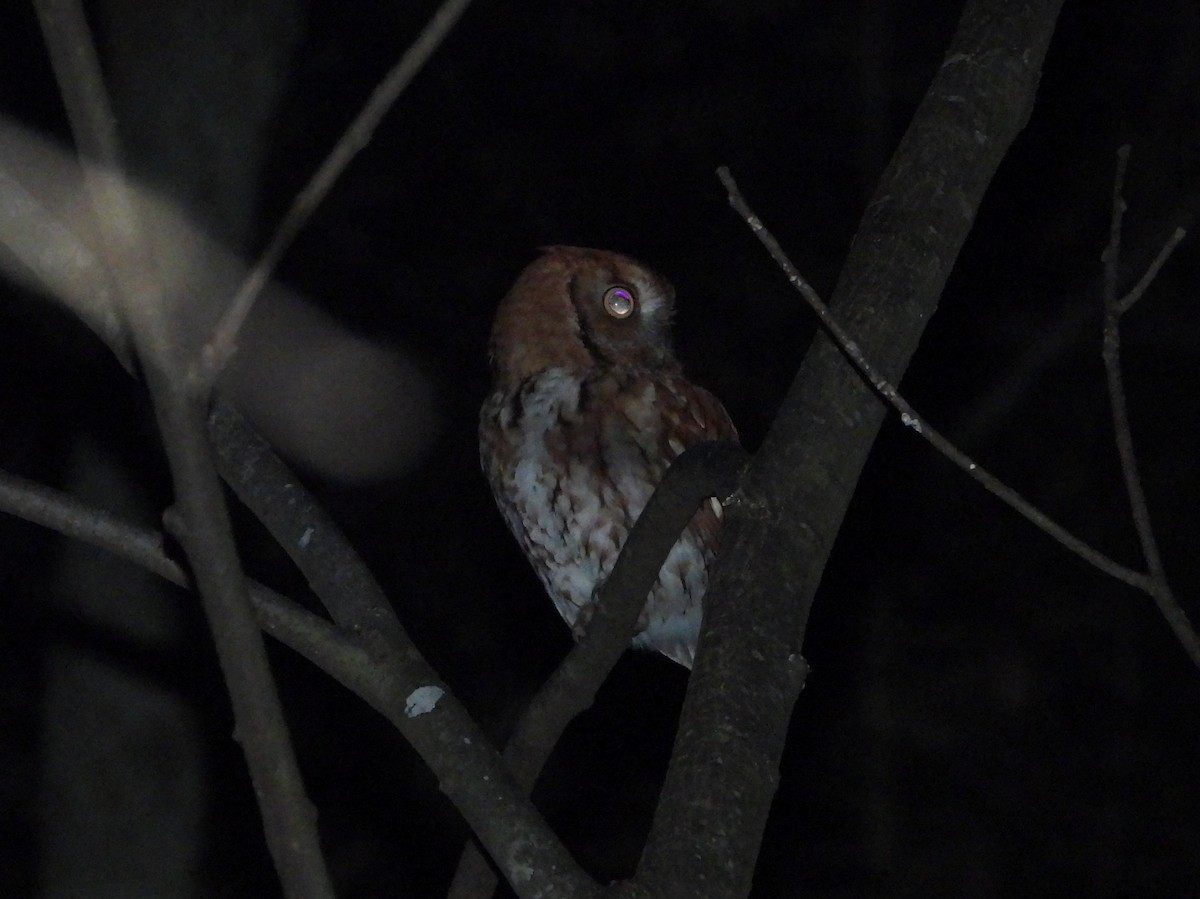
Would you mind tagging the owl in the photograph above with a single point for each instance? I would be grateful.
(588, 408)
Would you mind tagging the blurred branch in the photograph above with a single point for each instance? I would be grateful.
(59, 260)
(223, 342)
(704, 470)
(782, 521)
(288, 817)
(372, 654)
(1114, 307)
(77, 70)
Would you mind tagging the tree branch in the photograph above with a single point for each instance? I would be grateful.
(470, 773)
(140, 297)
(373, 656)
(704, 470)
(306, 532)
(748, 672)
(221, 345)
(1114, 307)
(888, 392)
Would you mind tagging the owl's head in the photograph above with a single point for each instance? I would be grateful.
(582, 309)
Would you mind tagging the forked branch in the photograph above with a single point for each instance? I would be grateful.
(1152, 582)
(1114, 307)
(140, 297)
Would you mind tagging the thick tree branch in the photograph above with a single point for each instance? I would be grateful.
(371, 654)
(305, 531)
(785, 516)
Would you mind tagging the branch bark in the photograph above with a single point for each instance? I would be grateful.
(377, 663)
(748, 671)
(704, 470)
(371, 654)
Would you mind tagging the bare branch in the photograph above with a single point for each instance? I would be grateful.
(704, 470)
(305, 531)
(373, 656)
(794, 495)
(289, 819)
(1158, 587)
(217, 350)
(909, 416)
(1147, 279)
(206, 535)
(279, 616)
(68, 516)
(470, 773)
(1153, 583)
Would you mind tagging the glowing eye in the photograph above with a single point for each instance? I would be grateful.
(619, 302)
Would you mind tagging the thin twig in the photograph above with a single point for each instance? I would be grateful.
(284, 619)
(221, 345)
(288, 817)
(60, 512)
(1147, 279)
(909, 417)
(1114, 306)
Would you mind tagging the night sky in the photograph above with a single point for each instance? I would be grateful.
(986, 715)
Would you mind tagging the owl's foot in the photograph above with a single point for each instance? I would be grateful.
(580, 625)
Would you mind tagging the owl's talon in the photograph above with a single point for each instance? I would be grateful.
(582, 620)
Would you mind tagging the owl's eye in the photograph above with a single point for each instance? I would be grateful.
(619, 301)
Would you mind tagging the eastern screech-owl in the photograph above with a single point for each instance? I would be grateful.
(588, 408)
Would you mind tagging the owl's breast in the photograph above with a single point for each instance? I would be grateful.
(571, 465)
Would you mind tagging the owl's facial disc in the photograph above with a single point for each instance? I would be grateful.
(622, 313)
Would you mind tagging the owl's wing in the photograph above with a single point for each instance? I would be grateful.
(682, 414)
(701, 418)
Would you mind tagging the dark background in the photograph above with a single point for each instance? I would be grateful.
(987, 716)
